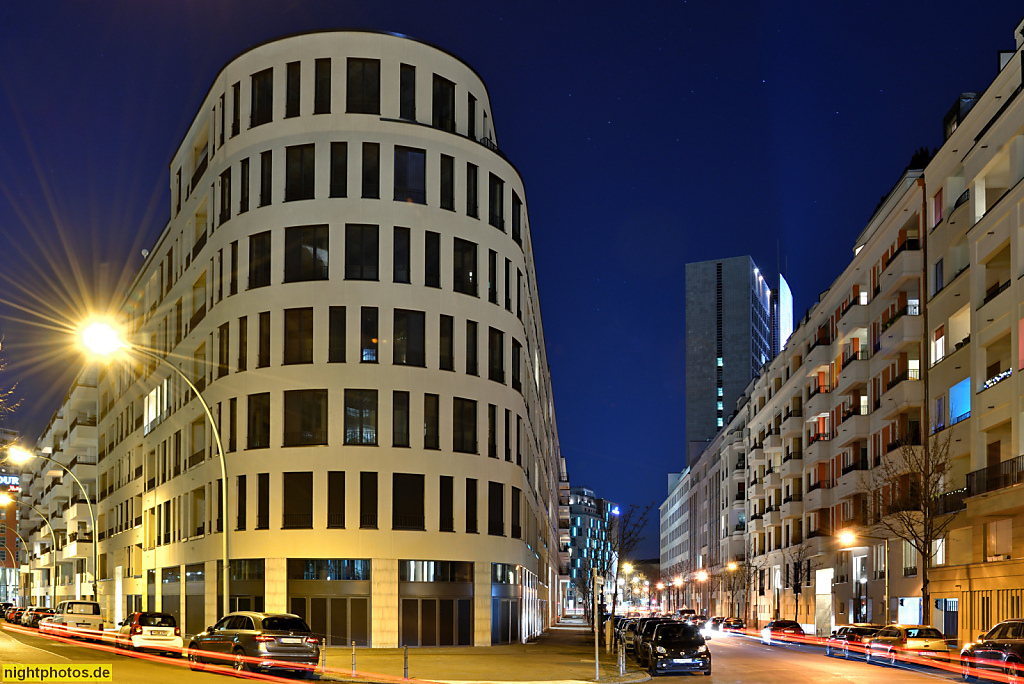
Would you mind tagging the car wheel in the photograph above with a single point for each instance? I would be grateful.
(193, 658)
(965, 667)
(707, 673)
(828, 651)
(240, 664)
(867, 655)
(1013, 672)
(846, 651)
(892, 657)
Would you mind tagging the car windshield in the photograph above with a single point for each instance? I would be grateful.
(84, 608)
(862, 631)
(679, 633)
(923, 633)
(285, 624)
(157, 621)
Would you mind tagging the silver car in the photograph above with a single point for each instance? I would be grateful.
(257, 641)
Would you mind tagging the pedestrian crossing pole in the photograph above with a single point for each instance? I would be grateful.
(598, 584)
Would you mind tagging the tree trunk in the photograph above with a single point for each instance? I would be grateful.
(926, 601)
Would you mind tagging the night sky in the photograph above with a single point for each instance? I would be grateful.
(648, 135)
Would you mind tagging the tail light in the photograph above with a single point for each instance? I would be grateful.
(177, 631)
(263, 639)
(313, 641)
(135, 630)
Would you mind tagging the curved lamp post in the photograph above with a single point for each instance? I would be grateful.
(6, 499)
(25, 546)
(847, 539)
(15, 561)
(102, 340)
(20, 455)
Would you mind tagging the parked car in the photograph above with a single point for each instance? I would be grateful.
(256, 641)
(629, 634)
(645, 637)
(32, 617)
(14, 615)
(79, 618)
(150, 632)
(838, 643)
(677, 647)
(782, 631)
(733, 624)
(1000, 649)
(916, 640)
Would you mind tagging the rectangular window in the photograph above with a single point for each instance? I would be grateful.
(258, 427)
(407, 93)
(300, 165)
(496, 355)
(472, 202)
(291, 105)
(446, 504)
(471, 506)
(259, 260)
(409, 337)
(492, 431)
(240, 503)
(262, 501)
(368, 500)
(431, 425)
(471, 348)
(401, 270)
(508, 435)
(232, 424)
(305, 253)
(517, 352)
(447, 345)
(492, 276)
(443, 115)
(266, 176)
(371, 170)
(243, 186)
(361, 251)
(471, 116)
(938, 276)
(361, 417)
(322, 86)
(336, 341)
(400, 419)
(496, 202)
(517, 219)
(261, 110)
(243, 343)
(339, 169)
(236, 108)
(368, 335)
(496, 509)
(233, 283)
(263, 353)
(297, 501)
(519, 440)
(305, 417)
(517, 532)
(223, 349)
(225, 196)
(298, 335)
(464, 264)
(407, 502)
(432, 259)
(937, 208)
(508, 285)
(335, 499)
(447, 182)
(464, 425)
(410, 175)
(363, 91)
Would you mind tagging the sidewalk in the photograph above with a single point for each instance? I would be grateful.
(565, 653)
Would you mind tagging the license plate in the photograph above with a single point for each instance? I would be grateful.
(158, 632)
(927, 653)
(682, 661)
(291, 640)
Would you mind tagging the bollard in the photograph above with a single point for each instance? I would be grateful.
(353, 658)
(323, 653)
(406, 662)
(622, 660)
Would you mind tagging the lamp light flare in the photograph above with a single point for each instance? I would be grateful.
(5, 499)
(732, 566)
(101, 338)
(17, 454)
(702, 576)
(847, 538)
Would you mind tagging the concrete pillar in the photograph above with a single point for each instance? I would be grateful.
(158, 598)
(384, 603)
(1016, 149)
(275, 585)
(210, 591)
(977, 200)
(481, 604)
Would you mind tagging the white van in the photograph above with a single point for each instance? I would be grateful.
(78, 618)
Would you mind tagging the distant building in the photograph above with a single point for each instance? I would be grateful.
(9, 482)
(592, 525)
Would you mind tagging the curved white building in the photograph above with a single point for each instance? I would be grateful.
(348, 276)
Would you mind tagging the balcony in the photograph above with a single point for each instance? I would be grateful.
(296, 521)
(950, 502)
(739, 500)
(772, 479)
(199, 315)
(407, 522)
(756, 454)
(792, 465)
(772, 517)
(82, 433)
(903, 331)
(903, 391)
(755, 524)
(817, 448)
(792, 423)
(756, 489)
(773, 440)
(996, 477)
(818, 400)
(854, 374)
(993, 292)
(197, 175)
(792, 509)
(855, 426)
(818, 353)
(79, 547)
(199, 244)
(904, 265)
(818, 495)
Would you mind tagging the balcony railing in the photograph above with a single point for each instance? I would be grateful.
(861, 355)
(818, 437)
(996, 379)
(740, 496)
(496, 529)
(199, 315)
(447, 525)
(792, 498)
(913, 440)
(908, 310)
(197, 175)
(368, 520)
(793, 413)
(910, 572)
(910, 245)
(909, 374)
(291, 521)
(950, 502)
(792, 456)
(819, 389)
(851, 412)
(197, 458)
(820, 532)
(995, 477)
(336, 520)
(820, 484)
(856, 465)
(994, 291)
(305, 438)
(198, 246)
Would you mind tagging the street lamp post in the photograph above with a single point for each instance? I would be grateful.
(847, 539)
(24, 545)
(20, 455)
(702, 577)
(677, 598)
(6, 499)
(101, 339)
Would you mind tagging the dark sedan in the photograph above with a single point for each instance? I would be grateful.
(782, 631)
(1001, 649)
(677, 647)
(733, 624)
(257, 641)
(839, 642)
(640, 646)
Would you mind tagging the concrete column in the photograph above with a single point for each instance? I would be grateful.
(384, 603)
(210, 603)
(1016, 146)
(275, 585)
(977, 200)
(158, 598)
(481, 604)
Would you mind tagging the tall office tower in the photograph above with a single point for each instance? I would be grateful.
(729, 336)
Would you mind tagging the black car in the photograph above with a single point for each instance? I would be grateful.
(646, 632)
(839, 642)
(1000, 649)
(677, 647)
(733, 624)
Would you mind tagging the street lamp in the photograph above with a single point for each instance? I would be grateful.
(19, 455)
(6, 499)
(101, 339)
(847, 539)
(702, 577)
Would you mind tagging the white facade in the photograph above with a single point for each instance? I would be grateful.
(362, 423)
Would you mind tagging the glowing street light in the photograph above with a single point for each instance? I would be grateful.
(702, 575)
(732, 566)
(101, 339)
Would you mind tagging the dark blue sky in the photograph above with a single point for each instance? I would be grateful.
(647, 135)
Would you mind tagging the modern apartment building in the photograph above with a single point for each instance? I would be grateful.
(730, 333)
(592, 526)
(917, 339)
(347, 279)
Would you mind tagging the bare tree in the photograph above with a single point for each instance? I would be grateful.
(627, 534)
(746, 572)
(910, 500)
(798, 558)
(7, 402)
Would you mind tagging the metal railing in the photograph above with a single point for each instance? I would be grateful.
(908, 310)
(305, 437)
(950, 502)
(290, 521)
(995, 477)
(994, 291)
(909, 245)
(909, 374)
(368, 520)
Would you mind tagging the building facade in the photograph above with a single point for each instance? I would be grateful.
(592, 526)
(347, 279)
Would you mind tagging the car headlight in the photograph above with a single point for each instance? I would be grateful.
(703, 648)
(661, 649)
